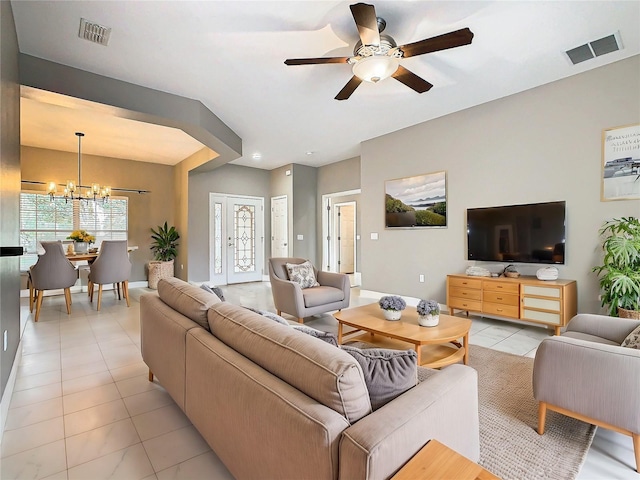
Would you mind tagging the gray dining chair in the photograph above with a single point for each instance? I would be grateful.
(111, 266)
(52, 271)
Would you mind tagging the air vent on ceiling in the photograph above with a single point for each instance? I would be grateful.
(93, 32)
(608, 44)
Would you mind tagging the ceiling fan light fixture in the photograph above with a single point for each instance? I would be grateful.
(375, 68)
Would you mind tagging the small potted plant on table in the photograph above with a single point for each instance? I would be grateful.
(428, 313)
(392, 306)
(165, 247)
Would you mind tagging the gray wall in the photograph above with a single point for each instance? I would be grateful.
(232, 180)
(9, 190)
(304, 212)
(540, 145)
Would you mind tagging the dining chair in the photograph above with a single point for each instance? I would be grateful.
(111, 266)
(52, 271)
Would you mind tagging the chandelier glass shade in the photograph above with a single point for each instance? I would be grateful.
(375, 68)
(75, 190)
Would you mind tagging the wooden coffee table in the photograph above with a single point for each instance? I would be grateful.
(436, 346)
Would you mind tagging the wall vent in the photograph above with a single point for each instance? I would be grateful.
(602, 46)
(93, 32)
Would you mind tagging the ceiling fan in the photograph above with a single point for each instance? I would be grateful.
(377, 56)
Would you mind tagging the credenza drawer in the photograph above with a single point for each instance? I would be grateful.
(541, 291)
(502, 310)
(467, 293)
(545, 317)
(506, 287)
(465, 282)
(461, 303)
(542, 303)
(501, 298)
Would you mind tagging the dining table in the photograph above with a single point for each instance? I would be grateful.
(79, 257)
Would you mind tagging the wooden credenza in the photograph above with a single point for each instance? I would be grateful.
(551, 303)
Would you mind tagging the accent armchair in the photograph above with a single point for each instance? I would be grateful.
(52, 271)
(586, 374)
(333, 293)
(111, 266)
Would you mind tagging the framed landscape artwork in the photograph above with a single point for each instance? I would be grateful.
(620, 163)
(416, 202)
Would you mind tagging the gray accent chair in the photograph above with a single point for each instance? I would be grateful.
(52, 271)
(332, 294)
(111, 266)
(585, 374)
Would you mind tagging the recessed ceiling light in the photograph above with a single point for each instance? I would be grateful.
(309, 152)
(256, 156)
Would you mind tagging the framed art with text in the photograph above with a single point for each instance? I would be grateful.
(620, 163)
(416, 202)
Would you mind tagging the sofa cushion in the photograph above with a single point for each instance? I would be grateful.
(191, 301)
(321, 296)
(330, 338)
(388, 373)
(325, 373)
(588, 337)
(270, 315)
(303, 274)
(633, 339)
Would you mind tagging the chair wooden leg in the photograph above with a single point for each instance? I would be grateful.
(636, 449)
(31, 294)
(89, 289)
(150, 375)
(67, 299)
(99, 295)
(90, 292)
(279, 312)
(300, 320)
(542, 417)
(117, 285)
(125, 291)
(38, 304)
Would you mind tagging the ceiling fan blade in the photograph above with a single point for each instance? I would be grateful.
(411, 80)
(435, 44)
(315, 61)
(349, 88)
(367, 23)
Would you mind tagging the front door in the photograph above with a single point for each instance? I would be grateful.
(236, 239)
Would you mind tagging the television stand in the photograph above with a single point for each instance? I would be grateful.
(551, 303)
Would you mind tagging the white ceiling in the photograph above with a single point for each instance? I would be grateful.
(230, 54)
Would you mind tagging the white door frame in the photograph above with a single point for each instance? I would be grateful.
(226, 277)
(286, 227)
(327, 231)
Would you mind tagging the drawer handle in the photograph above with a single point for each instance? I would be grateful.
(499, 298)
(499, 309)
(464, 293)
(464, 304)
(499, 286)
(464, 283)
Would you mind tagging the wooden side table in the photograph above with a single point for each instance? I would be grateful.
(436, 461)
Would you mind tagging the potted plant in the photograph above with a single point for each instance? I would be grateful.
(428, 313)
(392, 306)
(620, 270)
(81, 240)
(165, 248)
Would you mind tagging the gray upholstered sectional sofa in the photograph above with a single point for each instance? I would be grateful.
(275, 403)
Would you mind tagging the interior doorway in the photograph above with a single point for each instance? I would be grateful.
(279, 227)
(236, 238)
(340, 233)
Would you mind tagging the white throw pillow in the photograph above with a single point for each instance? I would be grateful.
(303, 274)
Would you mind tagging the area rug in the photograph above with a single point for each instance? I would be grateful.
(510, 446)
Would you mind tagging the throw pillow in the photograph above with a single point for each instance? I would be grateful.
(633, 339)
(215, 290)
(302, 273)
(324, 336)
(269, 315)
(387, 373)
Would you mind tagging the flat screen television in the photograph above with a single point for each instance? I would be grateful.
(532, 233)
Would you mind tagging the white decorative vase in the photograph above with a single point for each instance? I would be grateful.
(392, 314)
(428, 320)
(80, 247)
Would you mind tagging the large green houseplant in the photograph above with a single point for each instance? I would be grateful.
(165, 249)
(620, 270)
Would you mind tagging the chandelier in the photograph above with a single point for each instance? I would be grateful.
(75, 190)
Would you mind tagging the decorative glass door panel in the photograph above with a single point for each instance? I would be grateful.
(244, 229)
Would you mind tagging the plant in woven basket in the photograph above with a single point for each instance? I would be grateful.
(620, 270)
(165, 242)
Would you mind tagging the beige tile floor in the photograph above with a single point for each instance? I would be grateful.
(83, 408)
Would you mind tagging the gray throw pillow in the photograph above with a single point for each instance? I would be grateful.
(387, 373)
(215, 290)
(633, 339)
(303, 274)
(269, 315)
(324, 336)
